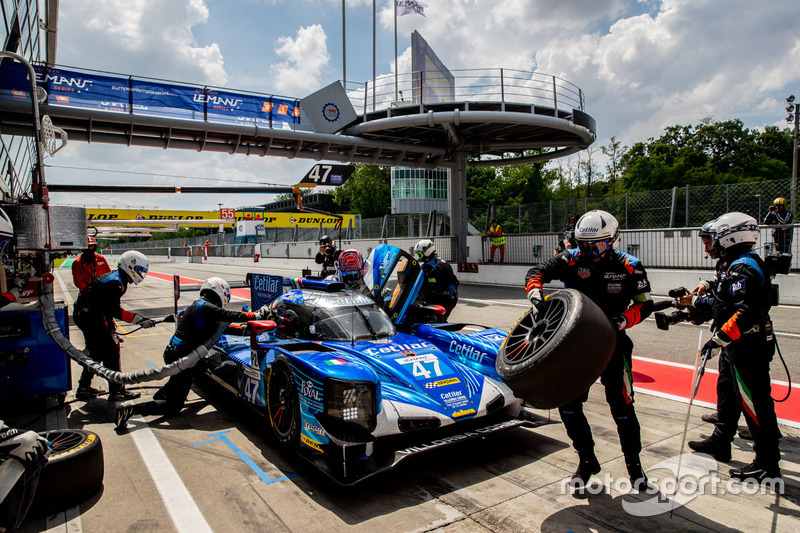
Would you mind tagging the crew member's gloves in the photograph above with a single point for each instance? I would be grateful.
(262, 313)
(715, 344)
(20, 283)
(26, 446)
(621, 322)
(536, 296)
(143, 321)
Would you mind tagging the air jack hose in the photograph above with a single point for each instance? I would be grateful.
(51, 326)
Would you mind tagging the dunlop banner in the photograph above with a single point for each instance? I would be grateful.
(270, 220)
(288, 220)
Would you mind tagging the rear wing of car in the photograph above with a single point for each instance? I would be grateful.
(265, 288)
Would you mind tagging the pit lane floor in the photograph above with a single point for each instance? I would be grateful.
(214, 468)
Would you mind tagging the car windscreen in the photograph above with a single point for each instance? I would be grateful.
(362, 319)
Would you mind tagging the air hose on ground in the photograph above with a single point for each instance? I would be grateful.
(47, 302)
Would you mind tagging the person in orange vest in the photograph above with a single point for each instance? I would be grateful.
(495, 232)
(88, 265)
(207, 244)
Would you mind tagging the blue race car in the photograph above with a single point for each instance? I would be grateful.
(339, 383)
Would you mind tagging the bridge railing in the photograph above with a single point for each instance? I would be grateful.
(498, 85)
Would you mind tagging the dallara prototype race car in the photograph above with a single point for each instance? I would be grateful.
(346, 378)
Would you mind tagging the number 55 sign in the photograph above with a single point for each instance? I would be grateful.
(227, 213)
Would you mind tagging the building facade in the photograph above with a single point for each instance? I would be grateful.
(27, 28)
(418, 190)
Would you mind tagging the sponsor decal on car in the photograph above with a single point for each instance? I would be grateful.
(442, 383)
(463, 412)
(307, 389)
(460, 436)
(398, 348)
(454, 399)
(311, 443)
(466, 352)
(313, 429)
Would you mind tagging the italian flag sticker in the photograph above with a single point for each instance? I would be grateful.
(333, 362)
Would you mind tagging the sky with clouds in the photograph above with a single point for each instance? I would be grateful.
(642, 64)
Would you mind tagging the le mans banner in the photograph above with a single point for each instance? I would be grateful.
(270, 220)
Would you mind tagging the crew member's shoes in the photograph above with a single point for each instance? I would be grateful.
(755, 472)
(122, 395)
(87, 393)
(586, 469)
(124, 412)
(711, 418)
(716, 448)
(638, 477)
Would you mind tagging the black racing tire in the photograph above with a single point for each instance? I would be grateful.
(283, 404)
(74, 471)
(553, 360)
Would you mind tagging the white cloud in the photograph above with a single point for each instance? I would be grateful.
(305, 58)
(145, 37)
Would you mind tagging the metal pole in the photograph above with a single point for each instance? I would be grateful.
(344, 49)
(687, 218)
(374, 75)
(395, 51)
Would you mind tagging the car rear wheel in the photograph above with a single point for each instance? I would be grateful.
(552, 360)
(283, 405)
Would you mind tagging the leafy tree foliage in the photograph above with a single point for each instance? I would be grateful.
(710, 153)
(366, 192)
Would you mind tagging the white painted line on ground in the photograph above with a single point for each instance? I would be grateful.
(67, 295)
(179, 503)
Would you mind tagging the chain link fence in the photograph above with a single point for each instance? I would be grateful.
(680, 207)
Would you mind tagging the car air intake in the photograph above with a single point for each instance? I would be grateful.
(407, 424)
(495, 404)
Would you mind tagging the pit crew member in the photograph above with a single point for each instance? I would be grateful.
(94, 313)
(618, 284)
(441, 284)
(197, 325)
(327, 256)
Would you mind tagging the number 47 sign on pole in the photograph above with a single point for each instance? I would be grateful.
(332, 175)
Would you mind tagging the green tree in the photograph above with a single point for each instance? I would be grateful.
(710, 153)
(367, 192)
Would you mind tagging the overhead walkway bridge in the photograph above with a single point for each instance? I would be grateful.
(490, 117)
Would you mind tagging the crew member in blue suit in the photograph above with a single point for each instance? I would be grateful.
(197, 325)
(95, 310)
(618, 284)
(441, 284)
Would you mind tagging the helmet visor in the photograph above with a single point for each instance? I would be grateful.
(595, 248)
(140, 270)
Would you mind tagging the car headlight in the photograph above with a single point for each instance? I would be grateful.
(351, 402)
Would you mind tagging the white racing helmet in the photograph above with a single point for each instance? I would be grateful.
(135, 265)
(220, 288)
(424, 250)
(734, 229)
(597, 232)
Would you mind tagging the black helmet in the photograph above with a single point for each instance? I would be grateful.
(325, 240)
